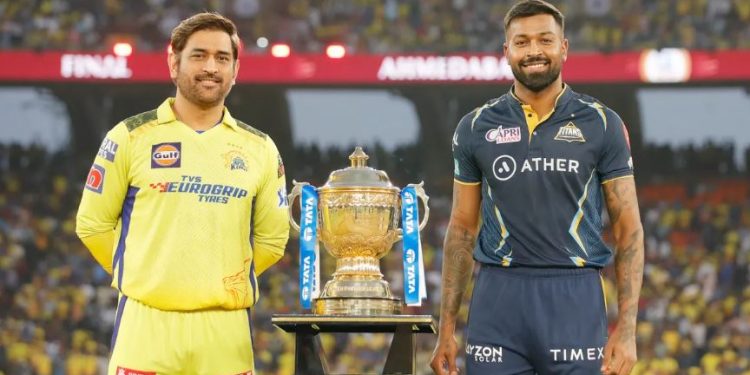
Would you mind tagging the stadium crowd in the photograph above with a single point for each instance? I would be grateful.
(57, 309)
(374, 26)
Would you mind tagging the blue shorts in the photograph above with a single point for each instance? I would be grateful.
(536, 321)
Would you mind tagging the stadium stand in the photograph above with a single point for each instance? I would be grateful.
(374, 26)
(57, 306)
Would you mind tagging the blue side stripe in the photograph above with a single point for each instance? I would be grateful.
(127, 211)
(252, 246)
(252, 278)
(118, 317)
(250, 325)
(252, 223)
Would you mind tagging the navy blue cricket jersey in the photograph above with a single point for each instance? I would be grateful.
(541, 178)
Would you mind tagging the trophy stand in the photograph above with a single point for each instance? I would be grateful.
(309, 358)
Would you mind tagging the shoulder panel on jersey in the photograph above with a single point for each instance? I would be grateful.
(595, 105)
(478, 111)
(134, 122)
(251, 129)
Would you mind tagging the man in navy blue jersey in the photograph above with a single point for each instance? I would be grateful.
(537, 163)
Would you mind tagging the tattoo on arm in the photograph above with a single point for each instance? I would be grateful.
(457, 267)
(622, 205)
(458, 264)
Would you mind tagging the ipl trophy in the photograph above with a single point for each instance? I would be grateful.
(355, 215)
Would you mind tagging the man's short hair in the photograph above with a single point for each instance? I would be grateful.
(528, 8)
(204, 21)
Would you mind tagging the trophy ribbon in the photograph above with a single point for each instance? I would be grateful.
(309, 270)
(415, 288)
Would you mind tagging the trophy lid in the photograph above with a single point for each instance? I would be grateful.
(358, 174)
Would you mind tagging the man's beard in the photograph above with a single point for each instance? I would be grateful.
(536, 82)
(190, 88)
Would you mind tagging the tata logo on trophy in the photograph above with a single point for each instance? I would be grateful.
(409, 202)
(306, 274)
(309, 206)
(411, 270)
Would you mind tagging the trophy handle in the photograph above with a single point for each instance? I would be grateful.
(419, 189)
(296, 191)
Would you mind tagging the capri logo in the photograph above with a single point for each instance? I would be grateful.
(486, 354)
(503, 135)
(166, 155)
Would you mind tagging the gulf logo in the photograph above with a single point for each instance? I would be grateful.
(166, 155)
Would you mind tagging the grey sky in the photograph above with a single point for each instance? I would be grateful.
(331, 117)
(681, 116)
(31, 115)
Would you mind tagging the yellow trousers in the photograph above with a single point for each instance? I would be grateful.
(148, 341)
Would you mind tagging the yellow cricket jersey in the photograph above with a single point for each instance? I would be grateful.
(185, 220)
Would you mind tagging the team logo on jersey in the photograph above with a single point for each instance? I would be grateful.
(570, 133)
(107, 149)
(503, 135)
(166, 155)
(235, 160)
(95, 179)
(127, 371)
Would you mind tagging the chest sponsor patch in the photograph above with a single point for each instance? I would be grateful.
(166, 155)
(205, 192)
(95, 179)
(107, 149)
(503, 135)
(570, 133)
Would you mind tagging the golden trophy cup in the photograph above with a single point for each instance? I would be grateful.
(358, 213)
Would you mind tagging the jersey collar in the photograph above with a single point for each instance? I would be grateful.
(165, 114)
(561, 99)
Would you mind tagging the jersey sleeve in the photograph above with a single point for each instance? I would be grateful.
(615, 160)
(465, 168)
(270, 213)
(103, 196)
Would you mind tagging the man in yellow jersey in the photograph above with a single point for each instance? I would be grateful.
(185, 206)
